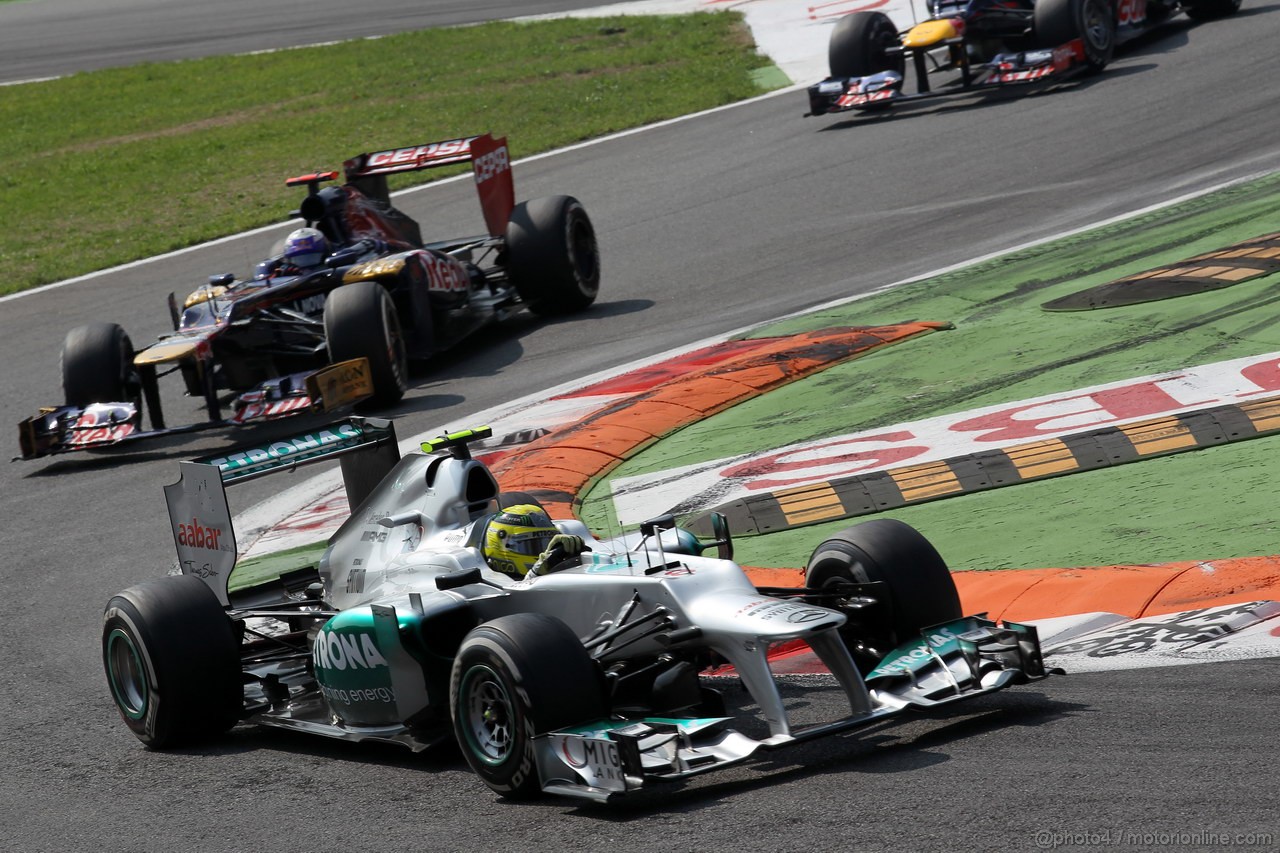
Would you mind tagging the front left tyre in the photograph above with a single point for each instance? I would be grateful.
(860, 46)
(514, 678)
(97, 366)
(172, 661)
(919, 589)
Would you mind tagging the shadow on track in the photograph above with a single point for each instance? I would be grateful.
(489, 354)
(962, 102)
(905, 744)
(899, 745)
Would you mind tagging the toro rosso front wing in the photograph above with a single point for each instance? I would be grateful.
(950, 662)
(884, 90)
(63, 429)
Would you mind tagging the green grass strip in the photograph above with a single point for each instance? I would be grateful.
(256, 570)
(111, 166)
(1207, 504)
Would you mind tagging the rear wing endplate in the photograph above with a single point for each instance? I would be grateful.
(202, 530)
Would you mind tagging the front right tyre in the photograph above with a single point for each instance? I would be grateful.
(1060, 21)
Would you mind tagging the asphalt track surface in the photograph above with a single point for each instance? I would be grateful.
(705, 225)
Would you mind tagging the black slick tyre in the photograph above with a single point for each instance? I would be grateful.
(97, 366)
(516, 677)
(172, 661)
(920, 586)
(1060, 21)
(553, 259)
(859, 46)
(360, 321)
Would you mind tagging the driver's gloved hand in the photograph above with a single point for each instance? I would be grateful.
(561, 547)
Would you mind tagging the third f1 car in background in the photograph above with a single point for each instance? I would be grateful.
(984, 45)
(294, 339)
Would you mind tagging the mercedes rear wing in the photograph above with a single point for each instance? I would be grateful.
(373, 438)
(198, 511)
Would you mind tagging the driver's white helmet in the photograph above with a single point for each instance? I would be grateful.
(305, 248)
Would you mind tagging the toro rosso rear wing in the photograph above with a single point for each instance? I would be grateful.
(412, 158)
(490, 164)
(198, 512)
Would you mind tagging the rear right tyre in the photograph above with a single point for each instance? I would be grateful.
(552, 256)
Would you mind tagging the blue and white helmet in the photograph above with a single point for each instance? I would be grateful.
(305, 248)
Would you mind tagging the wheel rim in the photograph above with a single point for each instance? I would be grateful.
(127, 674)
(885, 37)
(835, 581)
(488, 715)
(582, 248)
(396, 353)
(126, 364)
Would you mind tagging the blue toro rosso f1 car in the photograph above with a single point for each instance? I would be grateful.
(984, 45)
(333, 317)
(582, 675)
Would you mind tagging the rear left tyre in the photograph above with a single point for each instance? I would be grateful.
(172, 660)
(360, 321)
(514, 678)
(553, 259)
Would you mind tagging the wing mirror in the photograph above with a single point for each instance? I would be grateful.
(684, 542)
(723, 540)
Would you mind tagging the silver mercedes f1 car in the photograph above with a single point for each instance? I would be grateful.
(587, 680)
